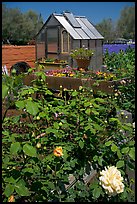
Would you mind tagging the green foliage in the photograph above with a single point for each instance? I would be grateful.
(123, 66)
(126, 23)
(124, 27)
(19, 28)
(107, 28)
(81, 53)
(86, 129)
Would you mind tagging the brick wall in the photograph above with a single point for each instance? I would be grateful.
(12, 54)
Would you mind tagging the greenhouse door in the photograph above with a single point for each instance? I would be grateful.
(52, 43)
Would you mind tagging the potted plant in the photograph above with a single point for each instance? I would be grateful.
(82, 56)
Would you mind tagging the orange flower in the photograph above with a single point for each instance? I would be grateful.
(58, 152)
(11, 199)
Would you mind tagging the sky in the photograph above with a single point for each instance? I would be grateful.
(94, 11)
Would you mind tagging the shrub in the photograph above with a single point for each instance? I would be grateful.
(53, 138)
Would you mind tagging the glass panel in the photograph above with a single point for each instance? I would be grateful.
(68, 27)
(92, 28)
(85, 43)
(76, 44)
(40, 46)
(72, 20)
(86, 29)
(40, 50)
(52, 40)
(65, 42)
(82, 33)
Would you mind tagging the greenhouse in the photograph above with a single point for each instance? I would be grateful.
(63, 32)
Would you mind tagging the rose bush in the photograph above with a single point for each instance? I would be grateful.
(53, 140)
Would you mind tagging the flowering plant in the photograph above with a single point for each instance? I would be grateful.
(56, 149)
(82, 53)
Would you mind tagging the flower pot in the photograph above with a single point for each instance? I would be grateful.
(83, 63)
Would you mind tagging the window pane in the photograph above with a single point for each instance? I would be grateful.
(52, 39)
(65, 41)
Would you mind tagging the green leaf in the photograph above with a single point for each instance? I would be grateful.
(81, 144)
(97, 127)
(21, 189)
(131, 143)
(9, 190)
(24, 92)
(51, 130)
(42, 114)
(95, 158)
(6, 159)
(10, 180)
(16, 119)
(49, 92)
(114, 148)
(119, 154)
(88, 111)
(30, 170)
(95, 112)
(101, 100)
(87, 104)
(74, 93)
(32, 108)
(115, 120)
(96, 193)
(125, 150)
(14, 148)
(100, 160)
(4, 90)
(56, 125)
(20, 104)
(51, 185)
(108, 143)
(120, 163)
(29, 150)
(132, 153)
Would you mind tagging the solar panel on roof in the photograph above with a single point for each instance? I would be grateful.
(82, 33)
(86, 29)
(92, 28)
(72, 20)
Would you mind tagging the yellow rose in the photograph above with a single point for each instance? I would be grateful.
(11, 199)
(58, 152)
(111, 180)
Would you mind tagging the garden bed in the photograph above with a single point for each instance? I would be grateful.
(54, 82)
(52, 66)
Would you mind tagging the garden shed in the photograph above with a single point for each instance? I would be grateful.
(63, 32)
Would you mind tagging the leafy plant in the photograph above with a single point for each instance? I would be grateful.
(54, 140)
(81, 53)
(123, 66)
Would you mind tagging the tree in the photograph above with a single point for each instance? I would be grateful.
(19, 28)
(107, 29)
(126, 23)
(33, 23)
(12, 20)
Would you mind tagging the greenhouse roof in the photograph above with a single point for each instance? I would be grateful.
(78, 26)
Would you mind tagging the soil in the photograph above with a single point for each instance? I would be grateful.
(16, 128)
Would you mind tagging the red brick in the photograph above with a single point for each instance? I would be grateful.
(13, 54)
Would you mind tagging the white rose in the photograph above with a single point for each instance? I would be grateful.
(111, 180)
